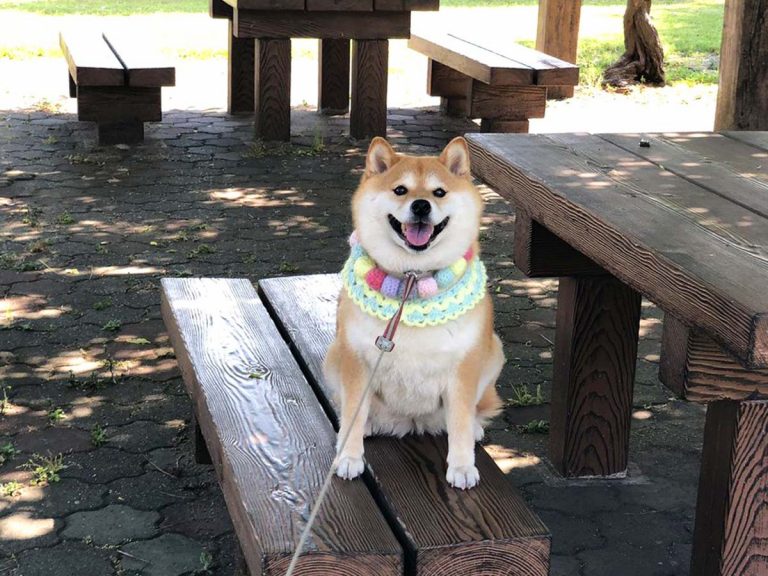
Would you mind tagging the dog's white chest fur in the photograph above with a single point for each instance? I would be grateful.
(411, 380)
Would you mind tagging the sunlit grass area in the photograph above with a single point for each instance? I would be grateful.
(690, 31)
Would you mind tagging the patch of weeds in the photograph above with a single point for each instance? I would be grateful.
(535, 427)
(94, 382)
(29, 266)
(4, 402)
(206, 563)
(7, 452)
(65, 219)
(51, 140)
(40, 246)
(102, 304)
(98, 436)
(32, 216)
(201, 250)
(45, 105)
(8, 260)
(10, 489)
(112, 325)
(102, 249)
(45, 468)
(288, 267)
(56, 415)
(255, 149)
(522, 397)
(80, 159)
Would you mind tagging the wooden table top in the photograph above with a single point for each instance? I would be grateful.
(683, 220)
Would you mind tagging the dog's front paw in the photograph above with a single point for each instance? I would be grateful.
(349, 467)
(463, 477)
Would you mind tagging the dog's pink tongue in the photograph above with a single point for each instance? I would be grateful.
(418, 234)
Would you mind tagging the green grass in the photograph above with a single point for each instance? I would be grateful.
(104, 7)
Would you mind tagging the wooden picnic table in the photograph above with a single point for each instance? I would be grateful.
(260, 33)
(683, 220)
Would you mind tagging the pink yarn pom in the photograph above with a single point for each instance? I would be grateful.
(353, 239)
(427, 287)
(375, 278)
(469, 254)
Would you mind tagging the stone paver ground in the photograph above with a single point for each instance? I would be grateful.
(87, 372)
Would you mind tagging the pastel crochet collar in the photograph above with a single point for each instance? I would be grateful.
(439, 297)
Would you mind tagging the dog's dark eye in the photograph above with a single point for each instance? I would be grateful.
(400, 190)
(439, 192)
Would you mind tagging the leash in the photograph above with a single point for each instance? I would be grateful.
(385, 343)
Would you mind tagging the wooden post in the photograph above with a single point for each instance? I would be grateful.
(558, 35)
(742, 97)
(240, 74)
(273, 88)
(598, 319)
(731, 533)
(333, 77)
(368, 115)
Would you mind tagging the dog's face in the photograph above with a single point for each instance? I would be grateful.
(416, 213)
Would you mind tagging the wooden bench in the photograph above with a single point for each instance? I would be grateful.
(259, 401)
(116, 82)
(502, 83)
(683, 220)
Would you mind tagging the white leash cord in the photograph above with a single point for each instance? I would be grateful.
(329, 476)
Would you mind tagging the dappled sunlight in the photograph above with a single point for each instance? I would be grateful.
(24, 526)
(260, 198)
(509, 459)
(29, 307)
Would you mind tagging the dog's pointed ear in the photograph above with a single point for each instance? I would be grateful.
(381, 157)
(455, 156)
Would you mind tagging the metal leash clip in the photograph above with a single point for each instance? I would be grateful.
(385, 342)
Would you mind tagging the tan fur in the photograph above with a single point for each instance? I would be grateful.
(437, 379)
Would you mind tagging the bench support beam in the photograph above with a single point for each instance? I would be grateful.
(241, 72)
(558, 35)
(731, 532)
(598, 319)
(333, 77)
(368, 116)
(273, 88)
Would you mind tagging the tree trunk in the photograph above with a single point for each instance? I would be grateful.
(643, 58)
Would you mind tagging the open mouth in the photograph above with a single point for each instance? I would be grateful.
(417, 235)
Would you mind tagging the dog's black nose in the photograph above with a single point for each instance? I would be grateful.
(421, 208)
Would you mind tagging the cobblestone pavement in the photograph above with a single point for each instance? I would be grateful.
(87, 372)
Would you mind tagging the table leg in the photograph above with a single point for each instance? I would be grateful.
(273, 88)
(731, 533)
(368, 115)
(240, 74)
(333, 77)
(598, 319)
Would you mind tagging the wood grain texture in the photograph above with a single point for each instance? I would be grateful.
(333, 77)
(241, 74)
(455, 106)
(368, 111)
(90, 61)
(731, 531)
(144, 66)
(598, 319)
(683, 263)
(297, 24)
(400, 5)
(445, 81)
(336, 5)
(487, 530)
(503, 125)
(756, 139)
(273, 88)
(557, 34)
(220, 9)
(742, 96)
(107, 104)
(507, 102)
(269, 440)
(699, 370)
(539, 253)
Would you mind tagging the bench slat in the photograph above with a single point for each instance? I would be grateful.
(144, 67)
(90, 61)
(268, 436)
(700, 274)
(487, 530)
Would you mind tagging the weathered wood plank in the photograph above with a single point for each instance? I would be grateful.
(486, 530)
(220, 9)
(539, 253)
(691, 272)
(288, 24)
(273, 88)
(368, 111)
(336, 5)
(733, 170)
(241, 74)
(756, 139)
(333, 77)
(266, 5)
(113, 104)
(445, 81)
(504, 125)
(507, 102)
(90, 61)
(598, 319)
(742, 95)
(731, 532)
(455, 106)
(699, 370)
(268, 437)
(558, 34)
(144, 67)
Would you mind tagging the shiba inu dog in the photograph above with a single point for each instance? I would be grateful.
(416, 214)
